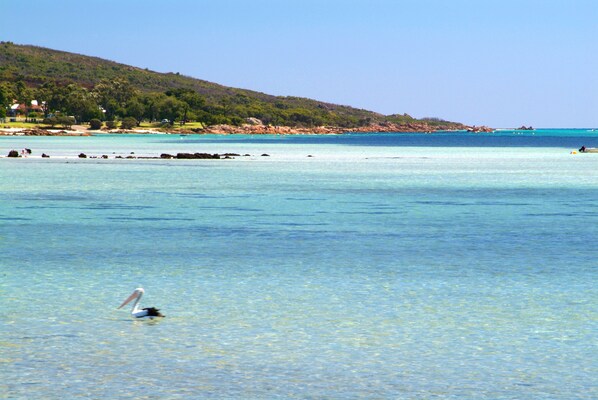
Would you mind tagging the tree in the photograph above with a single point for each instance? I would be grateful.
(6, 95)
(51, 97)
(135, 109)
(95, 124)
(81, 104)
(171, 109)
(22, 92)
(114, 95)
(191, 101)
(151, 103)
(66, 122)
(128, 123)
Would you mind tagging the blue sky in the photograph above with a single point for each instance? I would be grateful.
(500, 63)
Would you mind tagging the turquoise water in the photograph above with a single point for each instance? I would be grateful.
(384, 266)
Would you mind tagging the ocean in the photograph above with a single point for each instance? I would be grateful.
(401, 266)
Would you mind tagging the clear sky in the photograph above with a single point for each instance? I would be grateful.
(501, 63)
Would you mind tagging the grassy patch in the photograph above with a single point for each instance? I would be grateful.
(19, 124)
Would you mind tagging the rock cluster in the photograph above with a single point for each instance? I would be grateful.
(191, 156)
(43, 132)
(253, 129)
(477, 129)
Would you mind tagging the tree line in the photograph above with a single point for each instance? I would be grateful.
(118, 99)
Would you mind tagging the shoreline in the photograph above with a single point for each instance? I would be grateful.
(247, 129)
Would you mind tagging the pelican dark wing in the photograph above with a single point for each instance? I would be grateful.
(153, 312)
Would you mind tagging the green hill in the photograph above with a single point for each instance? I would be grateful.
(123, 90)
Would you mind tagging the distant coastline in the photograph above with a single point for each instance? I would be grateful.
(247, 129)
(58, 88)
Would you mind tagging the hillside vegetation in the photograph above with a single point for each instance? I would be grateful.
(92, 88)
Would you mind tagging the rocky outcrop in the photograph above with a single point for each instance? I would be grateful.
(253, 121)
(37, 132)
(42, 132)
(256, 127)
(13, 153)
(191, 156)
(525, 128)
(331, 130)
(478, 129)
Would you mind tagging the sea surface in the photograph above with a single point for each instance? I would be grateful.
(386, 266)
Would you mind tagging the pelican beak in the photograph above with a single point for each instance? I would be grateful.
(128, 300)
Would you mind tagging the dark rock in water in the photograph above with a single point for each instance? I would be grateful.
(118, 157)
(265, 155)
(13, 153)
(104, 156)
(202, 156)
(28, 151)
(246, 155)
(165, 155)
(44, 155)
(231, 155)
(82, 155)
(185, 155)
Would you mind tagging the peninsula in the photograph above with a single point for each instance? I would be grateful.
(44, 88)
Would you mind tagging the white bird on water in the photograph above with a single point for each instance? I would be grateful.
(149, 312)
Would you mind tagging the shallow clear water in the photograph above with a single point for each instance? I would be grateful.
(379, 270)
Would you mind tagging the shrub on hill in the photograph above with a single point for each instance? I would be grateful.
(95, 124)
(128, 123)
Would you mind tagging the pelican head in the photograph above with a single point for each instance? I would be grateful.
(135, 295)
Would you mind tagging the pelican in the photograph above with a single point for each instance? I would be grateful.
(149, 312)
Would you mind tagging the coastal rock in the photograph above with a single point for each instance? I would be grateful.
(44, 155)
(13, 153)
(45, 132)
(82, 155)
(203, 156)
(256, 129)
(477, 129)
(253, 121)
(37, 132)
